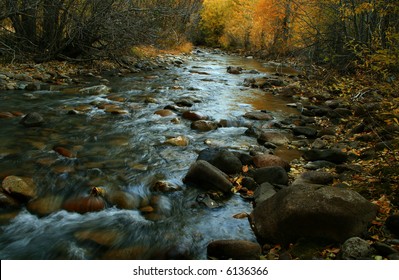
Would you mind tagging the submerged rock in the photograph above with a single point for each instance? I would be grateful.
(203, 125)
(32, 120)
(95, 90)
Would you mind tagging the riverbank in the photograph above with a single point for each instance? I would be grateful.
(360, 139)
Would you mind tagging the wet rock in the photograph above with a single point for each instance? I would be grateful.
(276, 138)
(266, 160)
(234, 249)
(179, 141)
(185, 102)
(106, 238)
(309, 132)
(203, 125)
(392, 224)
(193, 116)
(44, 206)
(273, 175)
(164, 113)
(165, 187)
(32, 120)
(312, 212)
(258, 115)
(319, 164)
(263, 192)
(64, 152)
(208, 176)
(95, 90)
(332, 155)
(118, 111)
(223, 159)
(19, 187)
(205, 200)
(122, 200)
(356, 248)
(150, 100)
(234, 70)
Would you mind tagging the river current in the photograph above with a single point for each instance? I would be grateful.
(127, 152)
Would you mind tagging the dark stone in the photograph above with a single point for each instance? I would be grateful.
(333, 104)
(318, 164)
(234, 249)
(317, 177)
(258, 115)
(234, 70)
(244, 158)
(340, 113)
(384, 249)
(306, 131)
(32, 120)
(392, 224)
(332, 155)
(223, 159)
(203, 125)
(193, 116)
(249, 183)
(277, 138)
(266, 160)
(274, 175)
(263, 192)
(311, 212)
(208, 176)
(356, 248)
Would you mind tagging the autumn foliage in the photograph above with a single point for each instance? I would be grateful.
(333, 31)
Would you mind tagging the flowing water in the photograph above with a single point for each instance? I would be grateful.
(126, 152)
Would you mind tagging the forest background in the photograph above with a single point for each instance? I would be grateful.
(347, 34)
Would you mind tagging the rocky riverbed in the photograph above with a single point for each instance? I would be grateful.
(278, 171)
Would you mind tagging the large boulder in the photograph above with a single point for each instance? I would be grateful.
(311, 212)
(208, 176)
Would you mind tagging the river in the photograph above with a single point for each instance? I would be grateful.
(127, 152)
